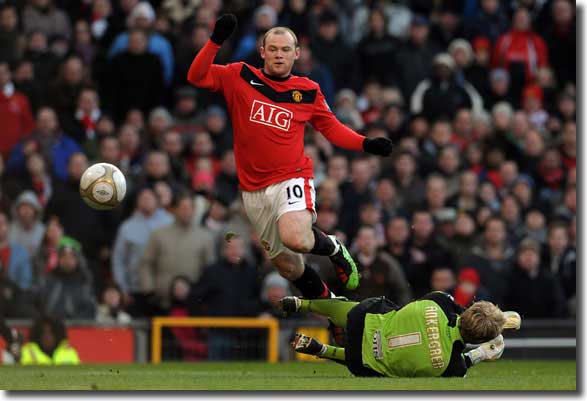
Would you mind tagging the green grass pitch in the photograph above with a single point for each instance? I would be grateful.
(501, 375)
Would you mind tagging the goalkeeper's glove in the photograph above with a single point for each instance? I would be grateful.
(378, 146)
(224, 27)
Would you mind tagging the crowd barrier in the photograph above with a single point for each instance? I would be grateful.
(142, 341)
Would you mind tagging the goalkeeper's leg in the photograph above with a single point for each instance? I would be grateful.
(309, 345)
(336, 309)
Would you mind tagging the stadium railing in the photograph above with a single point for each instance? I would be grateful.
(158, 323)
(98, 343)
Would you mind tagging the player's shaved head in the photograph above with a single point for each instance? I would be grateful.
(281, 30)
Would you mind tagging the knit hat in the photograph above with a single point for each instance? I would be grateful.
(144, 9)
(469, 274)
(446, 60)
(69, 243)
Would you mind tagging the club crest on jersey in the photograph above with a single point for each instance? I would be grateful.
(271, 115)
(297, 96)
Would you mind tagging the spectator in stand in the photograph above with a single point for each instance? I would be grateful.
(27, 229)
(110, 310)
(425, 253)
(191, 343)
(173, 145)
(466, 200)
(381, 274)
(490, 22)
(48, 344)
(159, 122)
(67, 204)
(142, 18)
(217, 125)
(81, 123)
(520, 50)
(45, 63)
(398, 237)
(36, 178)
(9, 34)
(131, 241)
(179, 248)
(67, 292)
(50, 141)
(131, 152)
(185, 111)
(226, 182)
(330, 49)
(414, 59)
(25, 82)
(14, 260)
(135, 77)
(228, 287)
(44, 16)
(560, 258)
(560, 35)
(64, 91)
(409, 185)
(441, 96)
(468, 288)
(47, 257)
(359, 191)
(492, 258)
(109, 151)
(15, 112)
(376, 50)
(442, 279)
(533, 291)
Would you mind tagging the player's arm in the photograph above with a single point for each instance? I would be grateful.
(339, 134)
(203, 73)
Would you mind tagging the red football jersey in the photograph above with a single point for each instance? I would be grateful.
(268, 117)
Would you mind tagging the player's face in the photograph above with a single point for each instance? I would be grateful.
(279, 54)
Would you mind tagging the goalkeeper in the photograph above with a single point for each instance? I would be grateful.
(426, 337)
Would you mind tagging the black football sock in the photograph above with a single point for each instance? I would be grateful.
(323, 245)
(311, 285)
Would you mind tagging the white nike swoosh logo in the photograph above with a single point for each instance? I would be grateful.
(256, 83)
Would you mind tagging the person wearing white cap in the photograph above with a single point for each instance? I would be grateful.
(440, 96)
(142, 16)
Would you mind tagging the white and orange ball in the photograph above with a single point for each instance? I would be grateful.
(102, 186)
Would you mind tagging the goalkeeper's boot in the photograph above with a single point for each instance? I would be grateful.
(289, 305)
(489, 351)
(513, 321)
(345, 266)
(307, 345)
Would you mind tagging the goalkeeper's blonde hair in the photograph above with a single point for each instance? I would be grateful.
(481, 322)
(281, 30)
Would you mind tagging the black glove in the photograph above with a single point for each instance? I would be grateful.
(378, 146)
(223, 29)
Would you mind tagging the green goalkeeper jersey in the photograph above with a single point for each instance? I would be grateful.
(420, 339)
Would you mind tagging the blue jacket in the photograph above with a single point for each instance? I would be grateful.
(157, 45)
(60, 153)
(19, 267)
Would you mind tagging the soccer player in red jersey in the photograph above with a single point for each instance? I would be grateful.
(269, 108)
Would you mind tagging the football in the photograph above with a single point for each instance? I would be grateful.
(102, 186)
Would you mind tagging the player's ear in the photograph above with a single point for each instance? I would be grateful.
(297, 53)
(262, 52)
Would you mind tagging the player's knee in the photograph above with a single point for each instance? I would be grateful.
(289, 271)
(298, 243)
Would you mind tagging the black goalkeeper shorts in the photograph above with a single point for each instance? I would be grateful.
(354, 333)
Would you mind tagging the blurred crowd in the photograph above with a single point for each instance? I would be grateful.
(478, 199)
